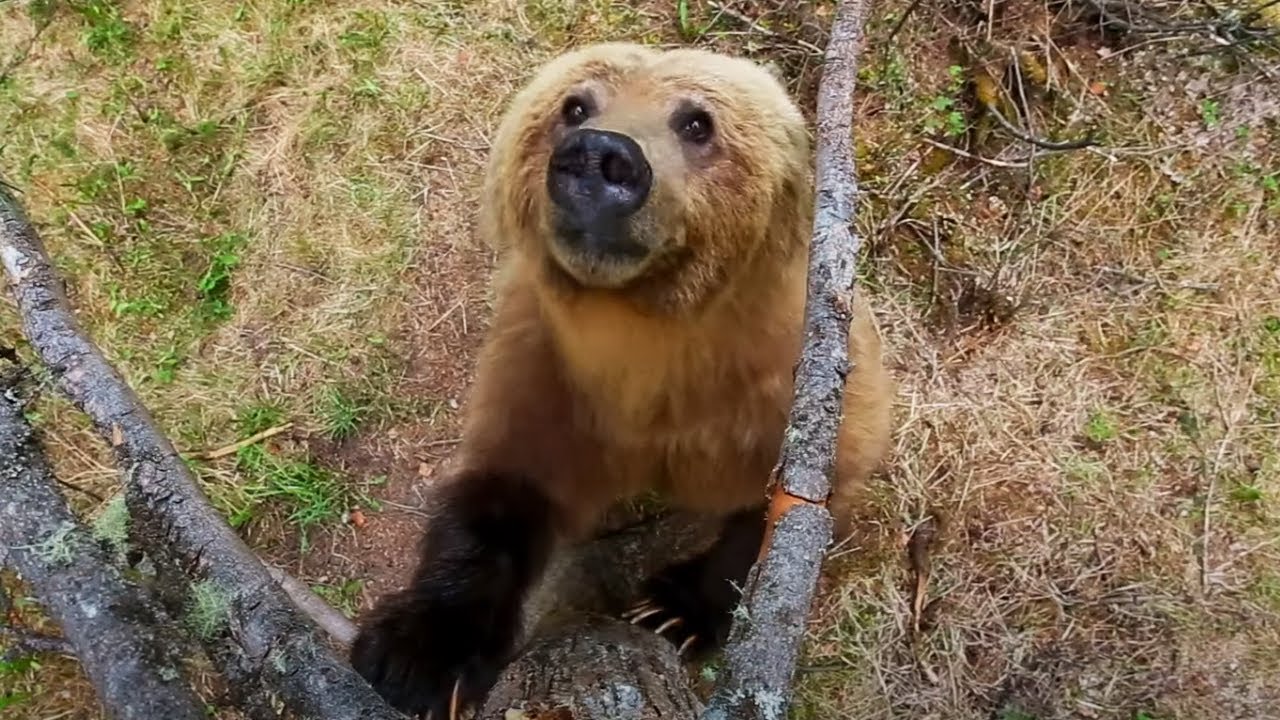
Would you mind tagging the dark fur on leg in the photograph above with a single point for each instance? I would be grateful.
(693, 601)
(460, 616)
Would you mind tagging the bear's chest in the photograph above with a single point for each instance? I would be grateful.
(706, 442)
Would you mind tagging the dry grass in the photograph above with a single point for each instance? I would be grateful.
(265, 212)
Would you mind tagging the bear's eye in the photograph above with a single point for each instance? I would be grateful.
(575, 111)
(695, 127)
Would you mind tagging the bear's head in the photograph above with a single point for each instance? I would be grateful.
(659, 175)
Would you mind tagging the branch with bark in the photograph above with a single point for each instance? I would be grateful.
(270, 641)
(125, 646)
(265, 637)
(765, 641)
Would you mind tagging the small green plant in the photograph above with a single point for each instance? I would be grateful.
(167, 365)
(13, 699)
(208, 608)
(255, 418)
(947, 114)
(1247, 494)
(106, 34)
(14, 667)
(315, 494)
(340, 413)
(1100, 428)
(1210, 112)
(369, 32)
(214, 286)
(122, 306)
(682, 15)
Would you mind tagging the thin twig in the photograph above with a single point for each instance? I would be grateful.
(22, 55)
(342, 630)
(238, 446)
(1012, 164)
(757, 27)
(1051, 145)
(902, 20)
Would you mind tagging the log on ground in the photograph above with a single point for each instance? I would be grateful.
(174, 520)
(599, 668)
(118, 633)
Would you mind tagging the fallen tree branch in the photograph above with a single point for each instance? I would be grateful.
(117, 633)
(274, 641)
(764, 643)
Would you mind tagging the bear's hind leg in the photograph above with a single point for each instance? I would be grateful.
(691, 603)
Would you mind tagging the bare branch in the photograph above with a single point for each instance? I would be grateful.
(338, 627)
(174, 518)
(764, 643)
(116, 631)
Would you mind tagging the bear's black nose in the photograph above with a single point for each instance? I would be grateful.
(598, 177)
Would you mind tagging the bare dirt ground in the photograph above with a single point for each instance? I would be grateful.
(265, 213)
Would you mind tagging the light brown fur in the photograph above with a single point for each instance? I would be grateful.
(653, 349)
(681, 380)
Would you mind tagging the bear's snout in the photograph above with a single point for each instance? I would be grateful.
(597, 179)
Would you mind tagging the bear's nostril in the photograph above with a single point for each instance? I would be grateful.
(617, 169)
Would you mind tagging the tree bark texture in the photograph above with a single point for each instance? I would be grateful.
(600, 669)
(120, 636)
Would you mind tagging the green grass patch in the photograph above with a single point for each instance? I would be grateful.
(344, 596)
(1101, 427)
(105, 31)
(340, 412)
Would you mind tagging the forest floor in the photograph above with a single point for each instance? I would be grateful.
(265, 212)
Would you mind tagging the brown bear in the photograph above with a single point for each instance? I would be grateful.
(653, 209)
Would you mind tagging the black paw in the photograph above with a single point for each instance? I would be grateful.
(422, 663)
(674, 608)
(692, 603)
(437, 647)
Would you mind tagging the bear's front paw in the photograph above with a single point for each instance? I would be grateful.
(432, 663)
(687, 606)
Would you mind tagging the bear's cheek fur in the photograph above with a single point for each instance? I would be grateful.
(728, 212)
